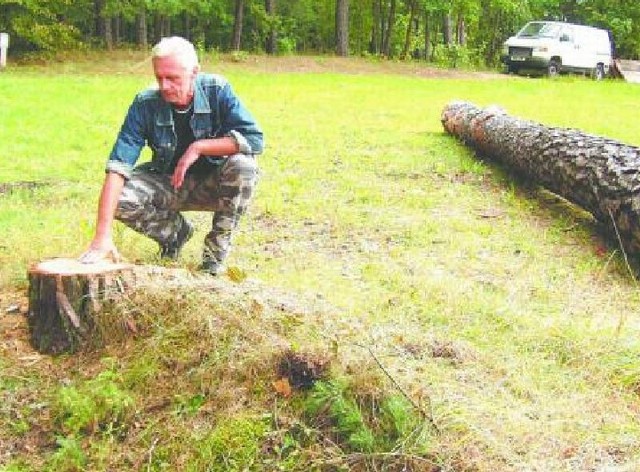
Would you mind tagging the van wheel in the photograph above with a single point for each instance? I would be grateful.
(553, 69)
(599, 72)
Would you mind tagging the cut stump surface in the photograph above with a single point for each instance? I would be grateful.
(64, 297)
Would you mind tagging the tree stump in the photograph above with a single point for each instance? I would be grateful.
(600, 175)
(64, 298)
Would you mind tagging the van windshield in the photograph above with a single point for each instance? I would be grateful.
(539, 30)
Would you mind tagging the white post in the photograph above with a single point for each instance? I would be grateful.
(4, 45)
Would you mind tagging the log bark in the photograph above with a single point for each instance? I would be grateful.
(64, 298)
(600, 175)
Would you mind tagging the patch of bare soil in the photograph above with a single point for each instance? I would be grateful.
(20, 364)
(229, 288)
(139, 62)
(13, 328)
(355, 66)
(9, 187)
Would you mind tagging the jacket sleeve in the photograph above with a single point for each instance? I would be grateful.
(129, 143)
(238, 122)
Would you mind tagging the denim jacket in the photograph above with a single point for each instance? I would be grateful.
(217, 112)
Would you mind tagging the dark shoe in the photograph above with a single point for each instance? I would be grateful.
(172, 250)
(212, 267)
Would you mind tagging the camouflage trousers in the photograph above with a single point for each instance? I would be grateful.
(149, 204)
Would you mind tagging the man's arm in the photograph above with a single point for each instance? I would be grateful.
(238, 122)
(102, 245)
(224, 146)
(240, 134)
(124, 154)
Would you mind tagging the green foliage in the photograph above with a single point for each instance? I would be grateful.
(233, 445)
(69, 457)
(362, 424)
(456, 56)
(189, 406)
(98, 404)
(35, 25)
(621, 18)
(309, 25)
(239, 56)
(625, 369)
(398, 417)
(18, 466)
(287, 45)
(333, 400)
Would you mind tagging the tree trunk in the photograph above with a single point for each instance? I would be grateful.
(599, 174)
(447, 31)
(237, 25)
(388, 31)
(493, 29)
(427, 36)
(161, 27)
(108, 33)
(116, 22)
(98, 23)
(103, 24)
(141, 30)
(461, 33)
(166, 26)
(64, 298)
(342, 28)
(157, 27)
(187, 26)
(271, 41)
(376, 12)
(407, 36)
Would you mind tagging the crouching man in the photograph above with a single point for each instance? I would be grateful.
(204, 145)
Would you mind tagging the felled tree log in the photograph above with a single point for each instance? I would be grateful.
(598, 174)
(64, 298)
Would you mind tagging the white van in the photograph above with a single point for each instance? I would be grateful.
(556, 47)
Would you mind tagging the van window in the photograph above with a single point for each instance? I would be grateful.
(565, 35)
(539, 30)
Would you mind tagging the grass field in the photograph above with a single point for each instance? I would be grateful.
(462, 322)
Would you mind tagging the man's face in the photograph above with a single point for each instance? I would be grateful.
(174, 80)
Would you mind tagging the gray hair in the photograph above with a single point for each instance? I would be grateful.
(178, 47)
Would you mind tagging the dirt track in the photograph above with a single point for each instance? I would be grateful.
(138, 62)
(351, 65)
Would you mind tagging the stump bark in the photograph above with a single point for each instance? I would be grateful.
(598, 174)
(64, 298)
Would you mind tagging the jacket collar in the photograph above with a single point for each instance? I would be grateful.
(200, 104)
(200, 99)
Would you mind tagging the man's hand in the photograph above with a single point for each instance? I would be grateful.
(222, 147)
(102, 246)
(99, 251)
(190, 156)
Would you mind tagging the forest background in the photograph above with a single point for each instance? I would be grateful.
(455, 33)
